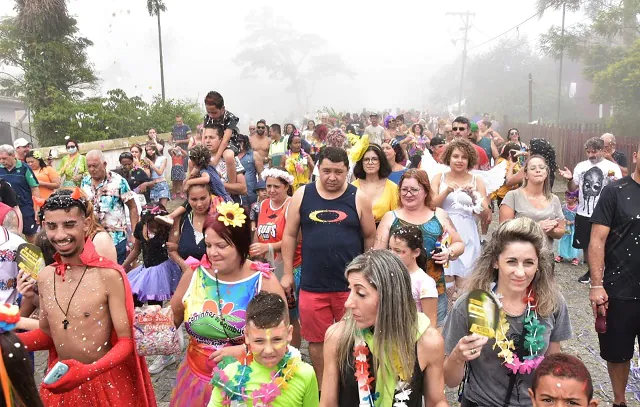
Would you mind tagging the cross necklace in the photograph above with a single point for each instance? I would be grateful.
(65, 323)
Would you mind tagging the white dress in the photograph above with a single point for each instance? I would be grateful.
(465, 223)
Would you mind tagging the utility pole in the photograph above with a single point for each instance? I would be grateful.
(161, 58)
(530, 98)
(564, 9)
(465, 15)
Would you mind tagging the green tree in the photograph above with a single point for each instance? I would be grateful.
(619, 84)
(283, 53)
(600, 43)
(114, 116)
(155, 7)
(42, 40)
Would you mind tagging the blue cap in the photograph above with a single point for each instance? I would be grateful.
(260, 185)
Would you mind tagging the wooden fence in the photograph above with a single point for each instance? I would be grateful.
(569, 141)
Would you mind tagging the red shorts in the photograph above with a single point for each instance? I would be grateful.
(318, 311)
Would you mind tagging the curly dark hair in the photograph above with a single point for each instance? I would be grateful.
(465, 147)
(200, 156)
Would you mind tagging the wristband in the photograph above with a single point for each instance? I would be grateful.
(595, 286)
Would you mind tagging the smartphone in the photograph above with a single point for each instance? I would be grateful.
(56, 373)
(512, 154)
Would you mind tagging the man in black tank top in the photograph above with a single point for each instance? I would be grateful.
(337, 223)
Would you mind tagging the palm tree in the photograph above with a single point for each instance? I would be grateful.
(155, 7)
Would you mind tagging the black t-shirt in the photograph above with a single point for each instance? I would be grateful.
(618, 209)
(135, 178)
(7, 195)
(620, 158)
(154, 250)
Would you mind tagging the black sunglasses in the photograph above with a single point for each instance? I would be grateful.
(260, 127)
(458, 128)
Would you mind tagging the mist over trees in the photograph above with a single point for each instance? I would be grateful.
(273, 47)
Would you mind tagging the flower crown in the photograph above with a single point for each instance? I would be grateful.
(231, 214)
(276, 173)
(9, 317)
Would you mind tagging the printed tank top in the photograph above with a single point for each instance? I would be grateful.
(432, 231)
(213, 321)
(271, 224)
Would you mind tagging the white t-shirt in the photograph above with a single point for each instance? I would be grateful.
(8, 266)
(591, 178)
(422, 286)
(376, 134)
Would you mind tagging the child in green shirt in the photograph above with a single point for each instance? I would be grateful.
(272, 373)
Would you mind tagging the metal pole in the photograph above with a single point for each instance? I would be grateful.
(161, 59)
(464, 61)
(564, 9)
(530, 98)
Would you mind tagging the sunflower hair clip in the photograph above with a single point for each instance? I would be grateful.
(231, 214)
(37, 155)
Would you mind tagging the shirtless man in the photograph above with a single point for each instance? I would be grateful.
(261, 141)
(85, 299)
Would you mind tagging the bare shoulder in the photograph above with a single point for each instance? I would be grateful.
(110, 276)
(333, 333)
(431, 342)
(45, 276)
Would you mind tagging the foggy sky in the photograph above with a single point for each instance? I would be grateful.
(393, 47)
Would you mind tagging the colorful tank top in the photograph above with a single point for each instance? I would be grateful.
(214, 322)
(432, 231)
(271, 224)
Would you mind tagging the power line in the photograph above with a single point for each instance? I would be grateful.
(510, 29)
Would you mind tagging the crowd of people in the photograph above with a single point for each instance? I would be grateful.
(362, 235)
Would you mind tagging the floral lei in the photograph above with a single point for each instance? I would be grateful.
(364, 379)
(533, 339)
(234, 390)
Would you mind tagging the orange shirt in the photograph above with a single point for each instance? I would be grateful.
(46, 174)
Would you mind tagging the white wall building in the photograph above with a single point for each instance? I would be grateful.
(14, 121)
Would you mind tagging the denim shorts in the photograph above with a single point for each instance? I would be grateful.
(160, 190)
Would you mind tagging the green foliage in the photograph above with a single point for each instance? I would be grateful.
(114, 116)
(619, 84)
(274, 47)
(43, 42)
(155, 7)
(605, 46)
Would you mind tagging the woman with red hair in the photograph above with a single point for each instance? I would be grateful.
(211, 300)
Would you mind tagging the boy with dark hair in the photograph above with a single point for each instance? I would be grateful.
(562, 380)
(272, 373)
(218, 114)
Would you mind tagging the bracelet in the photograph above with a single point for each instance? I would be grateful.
(595, 286)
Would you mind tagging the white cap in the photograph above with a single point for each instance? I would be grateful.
(20, 142)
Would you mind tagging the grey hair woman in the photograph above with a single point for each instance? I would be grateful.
(404, 353)
(517, 267)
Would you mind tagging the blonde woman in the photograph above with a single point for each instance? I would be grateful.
(381, 296)
(535, 200)
(517, 267)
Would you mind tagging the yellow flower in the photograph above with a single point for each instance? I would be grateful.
(290, 369)
(231, 214)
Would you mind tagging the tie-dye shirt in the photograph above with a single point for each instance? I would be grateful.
(217, 321)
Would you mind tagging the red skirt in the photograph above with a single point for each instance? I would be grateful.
(115, 387)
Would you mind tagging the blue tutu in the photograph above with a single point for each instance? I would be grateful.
(156, 283)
